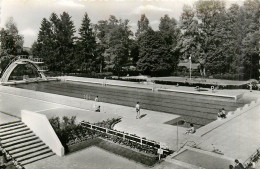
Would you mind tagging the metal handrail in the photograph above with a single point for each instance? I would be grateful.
(37, 59)
(248, 160)
(119, 133)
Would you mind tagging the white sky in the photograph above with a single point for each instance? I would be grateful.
(28, 14)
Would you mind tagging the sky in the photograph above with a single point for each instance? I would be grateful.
(28, 14)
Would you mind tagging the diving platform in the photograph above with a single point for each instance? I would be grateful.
(21, 60)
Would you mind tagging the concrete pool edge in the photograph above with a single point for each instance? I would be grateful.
(231, 115)
(212, 154)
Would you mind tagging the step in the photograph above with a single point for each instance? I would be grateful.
(12, 128)
(11, 125)
(32, 155)
(17, 138)
(37, 158)
(20, 141)
(4, 124)
(33, 150)
(14, 131)
(23, 145)
(26, 148)
(16, 135)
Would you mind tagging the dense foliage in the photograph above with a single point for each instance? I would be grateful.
(69, 132)
(223, 39)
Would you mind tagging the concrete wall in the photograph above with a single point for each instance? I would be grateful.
(40, 125)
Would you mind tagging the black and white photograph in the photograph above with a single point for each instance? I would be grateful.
(129, 84)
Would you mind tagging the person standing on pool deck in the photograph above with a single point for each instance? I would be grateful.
(95, 105)
(137, 107)
(250, 87)
(96, 99)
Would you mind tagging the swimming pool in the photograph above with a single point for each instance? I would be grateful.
(192, 108)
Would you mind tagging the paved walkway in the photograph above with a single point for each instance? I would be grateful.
(238, 139)
(152, 125)
(5, 118)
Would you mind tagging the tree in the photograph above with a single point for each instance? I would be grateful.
(12, 30)
(155, 55)
(134, 51)
(250, 43)
(143, 25)
(190, 41)
(44, 46)
(55, 43)
(7, 43)
(86, 44)
(64, 34)
(169, 29)
(101, 31)
(11, 41)
(114, 39)
(55, 56)
(211, 15)
(171, 33)
(235, 33)
(119, 42)
(224, 42)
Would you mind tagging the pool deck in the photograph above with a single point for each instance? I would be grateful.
(237, 139)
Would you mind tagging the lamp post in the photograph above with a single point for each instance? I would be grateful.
(190, 66)
(182, 122)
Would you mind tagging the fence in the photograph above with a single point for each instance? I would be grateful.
(129, 137)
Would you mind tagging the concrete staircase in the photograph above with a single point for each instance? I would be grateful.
(22, 144)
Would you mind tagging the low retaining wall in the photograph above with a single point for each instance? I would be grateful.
(204, 94)
(40, 125)
(104, 83)
(84, 144)
(118, 149)
(147, 159)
